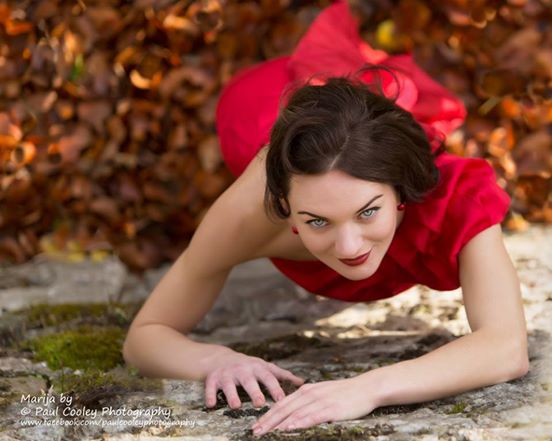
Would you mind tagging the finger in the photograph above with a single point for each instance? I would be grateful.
(271, 383)
(282, 410)
(284, 374)
(279, 411)
(229, 389)
(254, 391)
(210, 391)
(307, 417)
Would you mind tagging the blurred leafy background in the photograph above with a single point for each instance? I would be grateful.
(107, 136)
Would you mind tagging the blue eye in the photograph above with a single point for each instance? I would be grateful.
(319, 223)
(313, 222)
(372, 210)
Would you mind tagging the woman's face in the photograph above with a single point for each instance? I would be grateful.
(342, 217)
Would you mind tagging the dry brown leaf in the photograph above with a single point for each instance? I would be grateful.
(81, 187)
(184, 24)
(192, 76)
(209, 154)
(510, 108)
(535, 188)
(16, 27)
(107, 208)
(516, 222)
(24, 153)
(70, 146)
(501, 82)
(159, 66)
(178, 137)
(65, 109)
(139, 254)
(99, 72)
(95, 113)
(210, 185)
(105, 19)
(128, 189)
(533, 155)
(9, 246)
(518, 52)
(154, 191)
(116, 129)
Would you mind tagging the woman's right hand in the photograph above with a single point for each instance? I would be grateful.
(234, 369)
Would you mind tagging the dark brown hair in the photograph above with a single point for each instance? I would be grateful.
(345, 125)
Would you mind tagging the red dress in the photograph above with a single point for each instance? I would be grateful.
(425, 247)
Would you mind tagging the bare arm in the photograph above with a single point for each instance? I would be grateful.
(495, 351)
(234, 230)
(156, 343)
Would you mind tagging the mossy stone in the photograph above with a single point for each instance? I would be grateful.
(332, 433)
(240, 413)
(92, 386)
(396, 409)
(44, 314)
(83, 348)
(279, 347)
(458, 408)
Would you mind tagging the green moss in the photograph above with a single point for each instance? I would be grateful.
(93, 386)
(279, 347)
(83, 348)
(458, 408)
(7, 398)
(420, 309)
(326, 374)
(43, 314)
(357, 369)
(383, 361)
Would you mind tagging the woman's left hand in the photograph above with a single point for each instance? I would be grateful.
(318, 403)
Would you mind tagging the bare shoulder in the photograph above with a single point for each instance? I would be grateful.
(484, 249)
(236, 228)
(488, 241)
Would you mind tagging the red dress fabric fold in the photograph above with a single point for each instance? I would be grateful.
(466, 201)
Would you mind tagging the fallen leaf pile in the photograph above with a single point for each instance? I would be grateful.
(107, 138)
(497, 57)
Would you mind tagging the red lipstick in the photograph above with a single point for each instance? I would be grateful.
(357, 260)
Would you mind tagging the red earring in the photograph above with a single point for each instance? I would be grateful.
(401, 206)
(294, 229)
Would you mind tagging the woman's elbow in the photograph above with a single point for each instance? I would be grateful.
(522, 367)
(128, 353)
(520, 362)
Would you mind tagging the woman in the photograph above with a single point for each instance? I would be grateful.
(353, 199)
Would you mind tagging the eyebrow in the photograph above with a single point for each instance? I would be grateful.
(359, 211)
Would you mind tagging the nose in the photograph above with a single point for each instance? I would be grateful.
(348, 242)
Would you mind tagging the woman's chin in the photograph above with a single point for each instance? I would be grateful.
(359, 272)
(354, 276)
